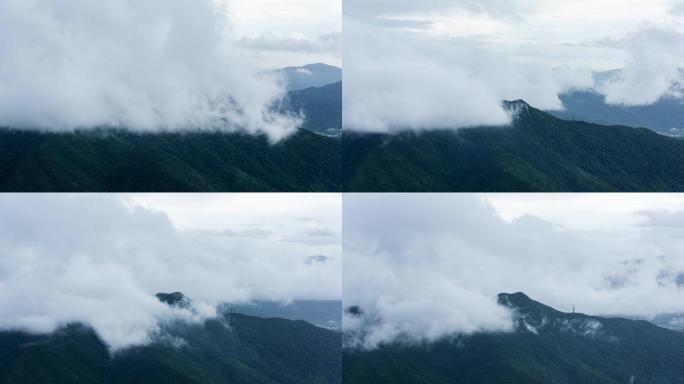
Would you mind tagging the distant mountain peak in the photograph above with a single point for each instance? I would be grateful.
(517, 102)
(523, 303)
(175, 299)
(516, 295)
(310, 75)
(354, 311)
(516, 107)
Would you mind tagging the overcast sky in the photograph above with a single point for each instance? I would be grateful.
(450, 63)
(99, 259)
(158, 65)
(430, 265)
(277, 33)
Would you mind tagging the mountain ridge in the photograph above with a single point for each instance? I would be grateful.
(119, 160)
(665, 116)
(310, 75)
(538, 152)
(546, 346)
(234, 348)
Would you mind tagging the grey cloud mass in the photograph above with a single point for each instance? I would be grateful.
(150, 66)
(98, 260)
(423, 267)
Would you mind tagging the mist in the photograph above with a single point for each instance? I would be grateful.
(449, 65)
(425, 267)
(397, 81)
(151, 67)
(99, 260)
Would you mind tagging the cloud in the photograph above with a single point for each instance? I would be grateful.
(449, 64)
(397, 80)
(653, 71)
(253, 232)
(662, 218)
(424, 267)
(314, 236)
(317, 259)
(99, 260)
(329, 43)
(382, 9)
(152, 66)
(677, 8)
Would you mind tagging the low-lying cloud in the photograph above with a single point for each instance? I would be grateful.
(99, 261)
(425, 267)
(450, 64)
(397, 80)
(147, 66)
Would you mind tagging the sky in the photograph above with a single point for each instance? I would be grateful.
(424, 266)
(277, 33)
(159, 65)
(449, 64)
(99, 259)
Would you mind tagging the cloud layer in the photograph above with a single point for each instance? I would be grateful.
(398, 79)
(423, 267)
(100, 260)
(157, 65)
(449, 64)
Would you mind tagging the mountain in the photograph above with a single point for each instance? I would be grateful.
(124, 161)
(311, 75)
(538, 152)
(232, 348)
(545, 346)
(322, 313)
(175, 299)
(322, 108)
(665, 116)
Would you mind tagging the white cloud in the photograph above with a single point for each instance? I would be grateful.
(395, 80)
(609, 211)
(428, 266)
(655, 68)
(448, 64)
(149, 66)
(329, 43)
(268, 21)
(100, 260)
(383, 9)
(677, 8)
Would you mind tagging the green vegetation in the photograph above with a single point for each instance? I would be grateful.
(567, 348)
(123, 161)
(538, 152)
(233, 349)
